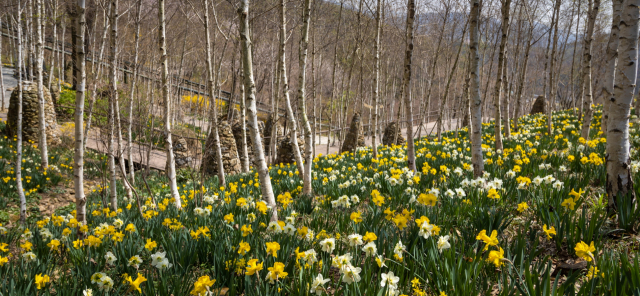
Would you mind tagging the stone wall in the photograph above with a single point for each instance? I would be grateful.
(230, 159)
(285, 150)
(390, 135)
(355, 137)
(30, 118)
(181, 153)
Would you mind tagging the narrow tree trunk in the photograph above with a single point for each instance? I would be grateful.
(476, 101)
(446, 90)
(594, 6)
(551, 100)
(1, 76)
(250, 88)
(411, 157)
(23, 200)
(376, 78)
(611, 58)
(214, 109)
(112, 98)
(243, 122)
(78, 159)
(497, 93)
(308, 138)
(285, 84)
(619, 181)
(134, 79)
(522, 78)
(333, 76)
(44, 155)
(96, 78)
(171, 164)
(54, 7)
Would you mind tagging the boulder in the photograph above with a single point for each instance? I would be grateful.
(30, 115)
(355, 136)
(181, 153)
(229, 150)
(539, 105)
(285, 150)
(389, 135)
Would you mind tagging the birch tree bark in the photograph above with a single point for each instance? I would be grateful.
(54, 8)
(551, 99)
(376, 78)
(619, 182)
(214, 109)
(171, 172)
(611, 59)
(1, 78)
(474, 89)
(594, 6)
(78, 159)
(308, 155)
(497, 92)
(132, 93)
(411, 12)
(285, 84)
(23, 200)
(252, 114)
(113, 96)
(44, 155)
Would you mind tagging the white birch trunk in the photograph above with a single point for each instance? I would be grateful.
(132, 178)
(293, 136)
(308, 138)
(551, 99)
(497, 93)
(171, 163)
(78, 159)
(112, 111)
(44, 155)
(376, 79)
(611, 58)
(252, 114)
(619, 181)
(587, 113)
(23, 200)
(411, 158)
(474, 89)
(214, 109)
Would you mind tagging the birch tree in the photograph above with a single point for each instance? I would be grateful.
(376, 79)
(214, 110)
(497, 92)
(474, 89)
(78, 158)
(112, 97)
(551, 99)
(587, 113)
(304, 43)
(19, 188)
(44, 155)
(171, 163)
(411, 12)
(1, 76)
(252, 114)
(134, 78)
(285, 84)
(611, 59)
(619, 182)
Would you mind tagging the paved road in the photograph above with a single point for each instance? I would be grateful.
(9, 82)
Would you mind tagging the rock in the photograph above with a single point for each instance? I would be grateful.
(285, 150)
(539, 105)
(390, 135)
(181, 153)
(30, 118)
(229, 149)
(268, 127)
(355, 137)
